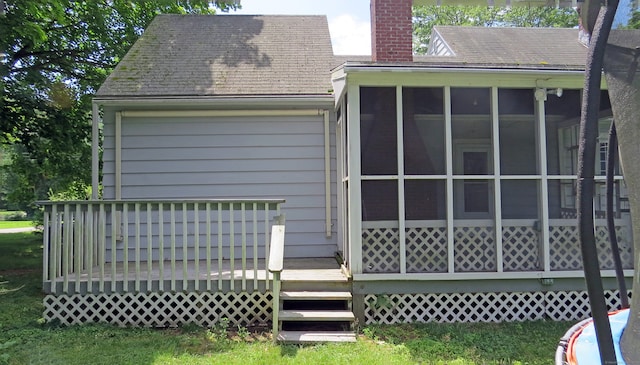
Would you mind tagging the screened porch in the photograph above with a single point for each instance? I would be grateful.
(468, 182)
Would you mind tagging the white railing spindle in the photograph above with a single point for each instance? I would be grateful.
(196, 245)
(220, 257)
(149, 248)
(90, 230)
(114, 247)
(136, 210)
(46, 244)
(208, 220)
(125, 248)
(185, 246)
(255, 245)
(161, 246)
(232, 248)
(102, 249)
(173, 246)
(77, 246)
(244, 246)
(266, 243)
(66, 256)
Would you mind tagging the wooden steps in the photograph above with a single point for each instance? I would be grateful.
(315, 308)
(315, 295)
(314, 337)
(317, 315)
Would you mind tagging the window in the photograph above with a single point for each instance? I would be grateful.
(473, 197)
(568, 137)
(378, 131)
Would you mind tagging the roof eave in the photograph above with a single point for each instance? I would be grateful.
(226, 101)
(350, 67)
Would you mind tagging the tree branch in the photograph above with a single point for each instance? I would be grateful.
(64, 52)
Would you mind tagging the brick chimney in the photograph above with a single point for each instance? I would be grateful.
(391, 31)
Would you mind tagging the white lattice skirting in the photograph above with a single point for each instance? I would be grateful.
(481, 307)
(159, 309)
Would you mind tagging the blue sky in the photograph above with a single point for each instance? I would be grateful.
(349, 20)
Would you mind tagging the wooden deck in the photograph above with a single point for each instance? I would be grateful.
(192, 275)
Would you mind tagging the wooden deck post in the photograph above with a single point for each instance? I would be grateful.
(276, 258)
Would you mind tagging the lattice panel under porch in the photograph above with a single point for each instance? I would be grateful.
(475, 249)
(604, 248)
(574, 305)
(160, 309)
(480, 307)
(380, 250)
(426, 250)
(453, 308)
(521, 249)
(565, 248)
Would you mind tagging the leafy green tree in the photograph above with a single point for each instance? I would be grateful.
(426, 17)
(634, 19)
(54, 54)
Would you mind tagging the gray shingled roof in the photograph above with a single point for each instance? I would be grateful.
(539, 48)
(246, 55)
(501, 48)
(226, 55)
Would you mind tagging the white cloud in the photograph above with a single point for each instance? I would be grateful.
(350, 36)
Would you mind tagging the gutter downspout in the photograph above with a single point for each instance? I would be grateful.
(95, 150)
(118, 156)
(119, 229)
(327, 174)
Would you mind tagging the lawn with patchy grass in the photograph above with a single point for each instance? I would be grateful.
(21, 251)
(24, 339)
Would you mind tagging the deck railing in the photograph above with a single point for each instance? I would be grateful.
(142, 245)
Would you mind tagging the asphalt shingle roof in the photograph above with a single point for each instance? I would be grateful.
(226, 55)
(247, 55)
(539, 48)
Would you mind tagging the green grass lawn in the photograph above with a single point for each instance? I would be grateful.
(20, 251)
(24, 339)
(15, 224)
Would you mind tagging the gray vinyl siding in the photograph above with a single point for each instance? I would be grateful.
(230, 157)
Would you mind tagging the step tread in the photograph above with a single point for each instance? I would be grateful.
(314, 275)
(316, 295)
(314, 279)
(316, 315)
(315, 286)
(319, 336)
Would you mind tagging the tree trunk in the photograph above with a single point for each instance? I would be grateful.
(623, 80)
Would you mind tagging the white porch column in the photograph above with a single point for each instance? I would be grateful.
(540, 98)
(497, 195)
(401, 196)
(354, 198)
(449, 162)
